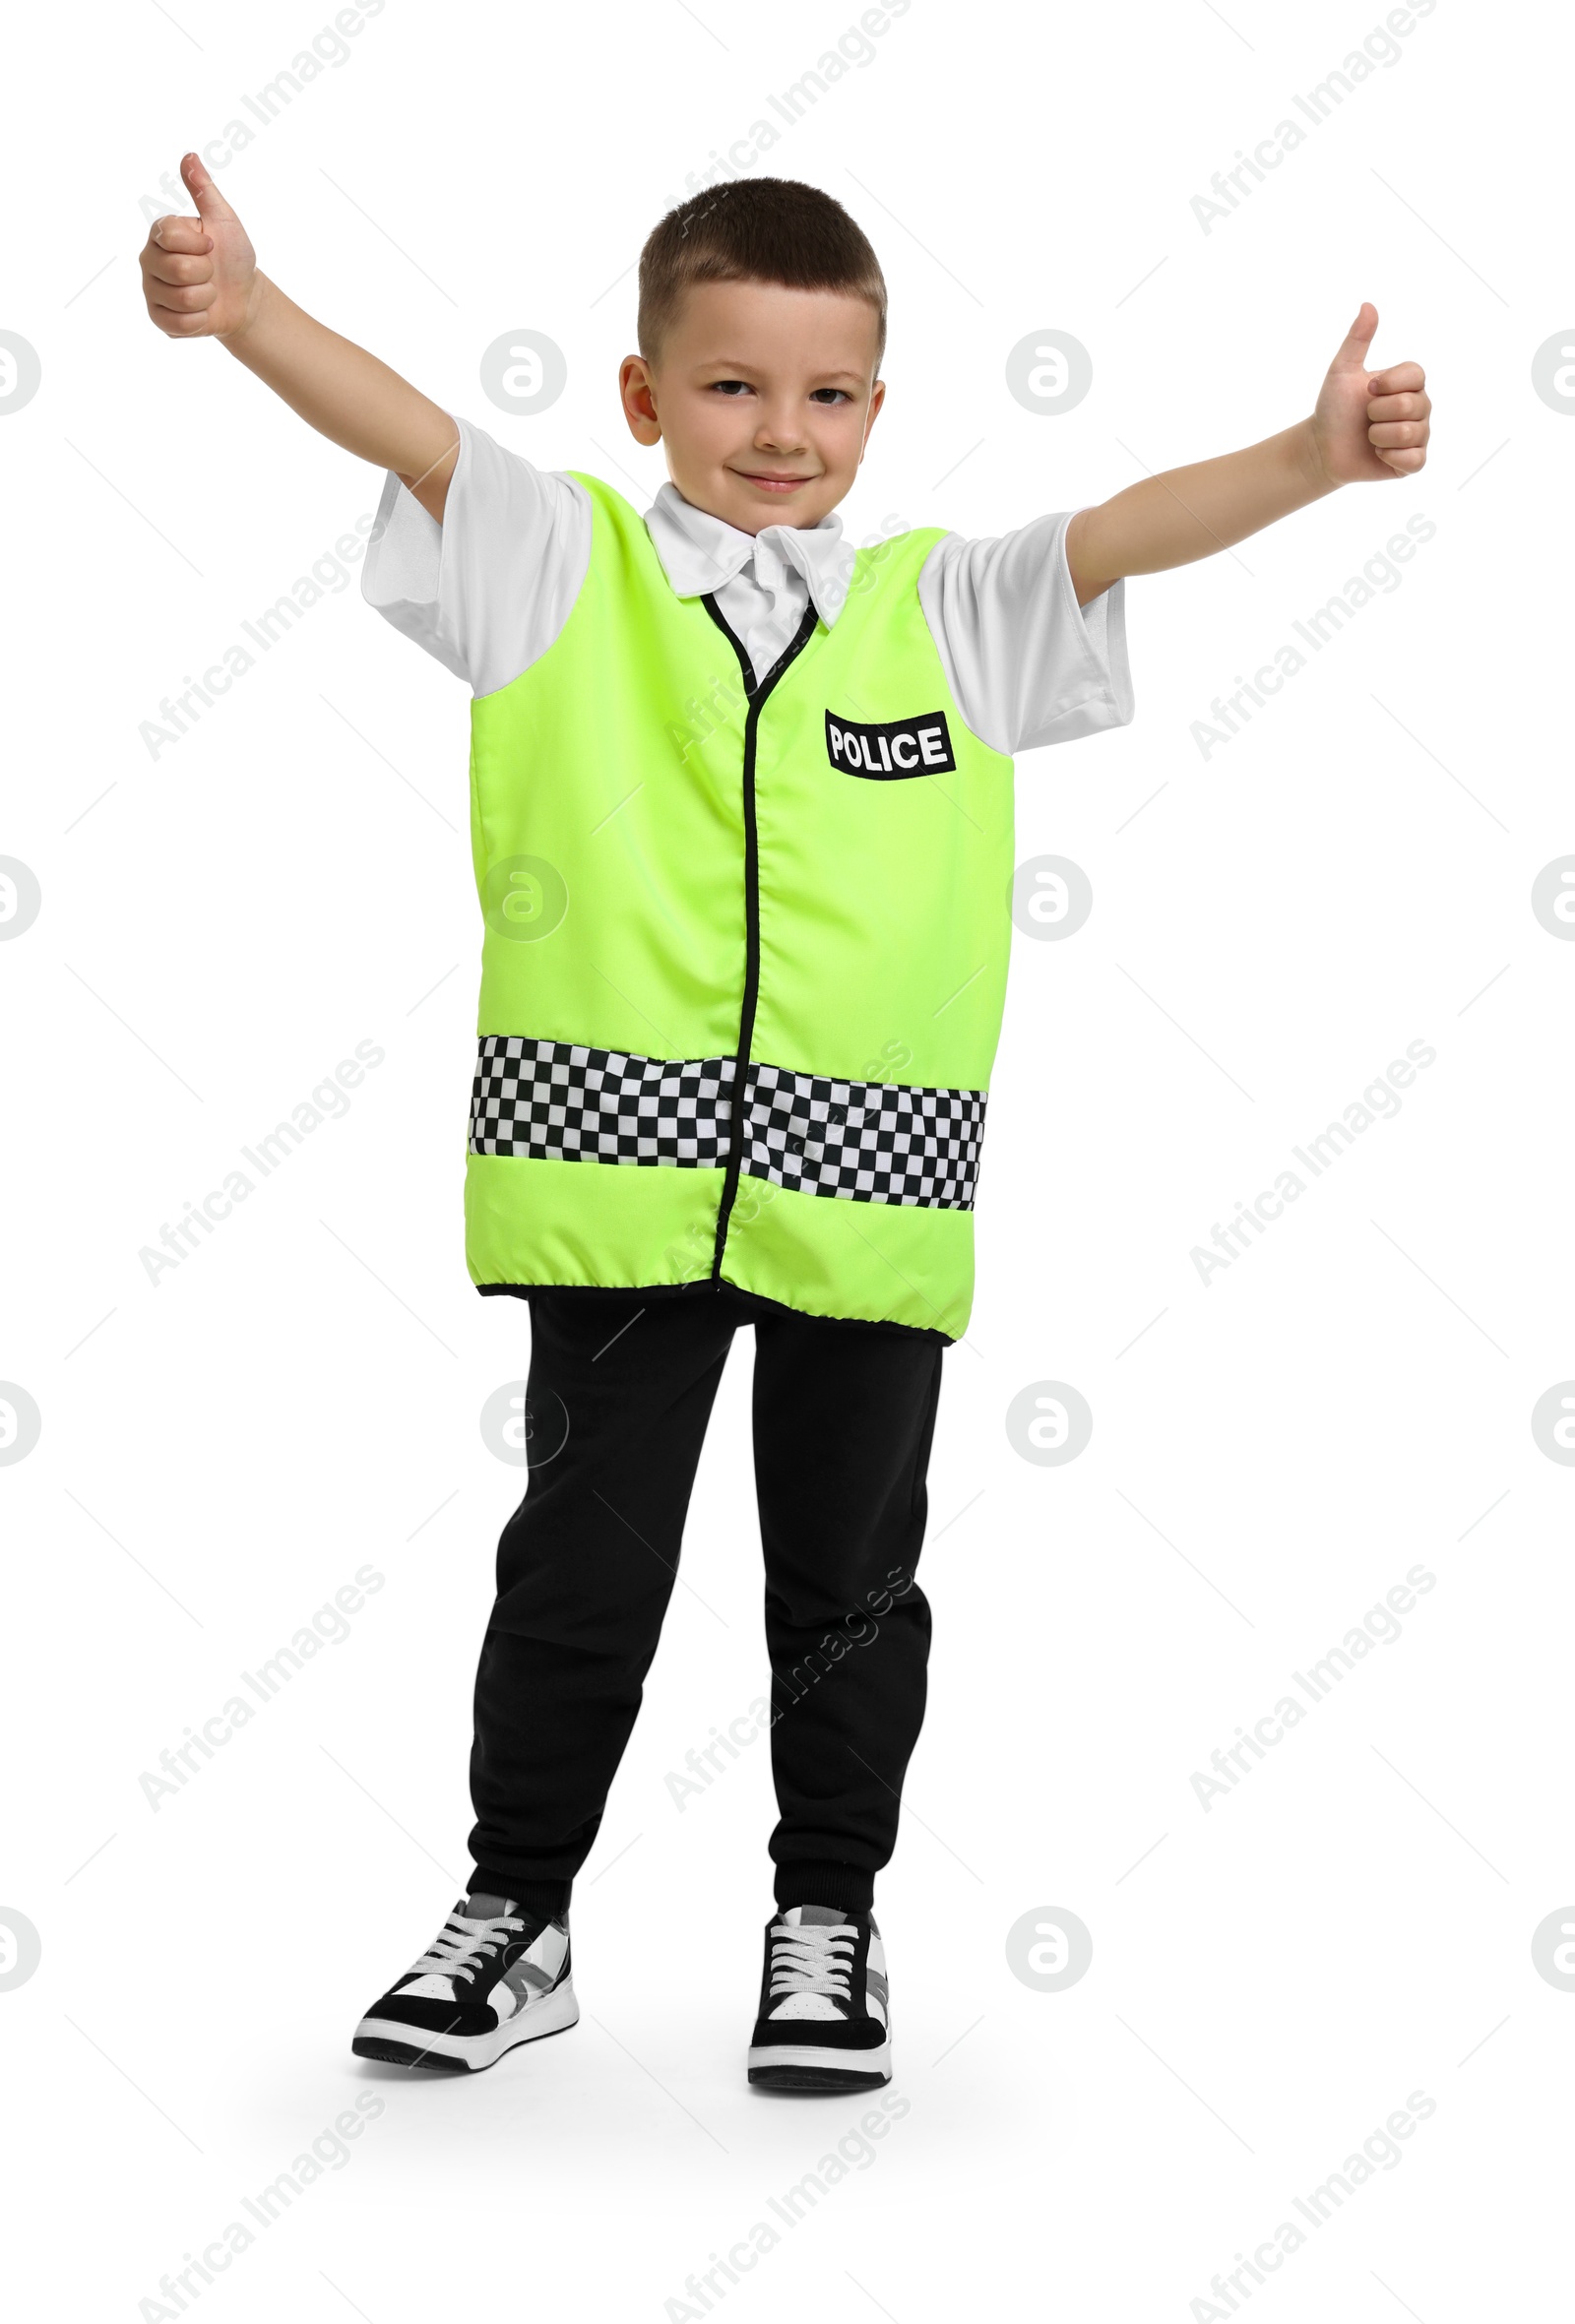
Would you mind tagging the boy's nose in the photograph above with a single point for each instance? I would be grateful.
(779, 432)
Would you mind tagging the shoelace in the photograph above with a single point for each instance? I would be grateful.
(462, 1945)
(817, 1959)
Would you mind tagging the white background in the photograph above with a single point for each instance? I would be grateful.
(1270, 1979)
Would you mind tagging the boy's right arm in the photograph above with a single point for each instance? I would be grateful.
(201, 281)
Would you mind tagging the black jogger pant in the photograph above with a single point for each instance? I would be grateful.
(619, 1390)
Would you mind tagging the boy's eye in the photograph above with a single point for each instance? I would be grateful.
(741, 387)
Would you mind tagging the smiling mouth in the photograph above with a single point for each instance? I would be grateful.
(773, 483)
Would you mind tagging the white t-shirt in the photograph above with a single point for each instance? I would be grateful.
(488, 591)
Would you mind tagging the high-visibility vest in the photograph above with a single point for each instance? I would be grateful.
(744, 955)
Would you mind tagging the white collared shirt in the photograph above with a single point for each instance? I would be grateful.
(488, 591)
(762, 580)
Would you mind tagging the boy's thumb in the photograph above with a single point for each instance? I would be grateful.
(1352, 354)
(211, 208)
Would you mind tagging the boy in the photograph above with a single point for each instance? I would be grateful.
(741, 821)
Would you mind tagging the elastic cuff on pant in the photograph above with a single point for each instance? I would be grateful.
(841, 1886)
(549, 1898)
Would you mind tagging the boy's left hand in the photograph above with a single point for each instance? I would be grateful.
(1366, 424)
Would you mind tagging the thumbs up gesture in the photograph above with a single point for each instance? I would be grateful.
(199, 274)
(1368, 425)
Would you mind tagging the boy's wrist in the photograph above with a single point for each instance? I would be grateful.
(257, 298)
(1308, 453)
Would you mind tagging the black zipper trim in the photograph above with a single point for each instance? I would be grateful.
(756, 693)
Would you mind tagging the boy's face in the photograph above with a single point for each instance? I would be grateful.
(763, 397)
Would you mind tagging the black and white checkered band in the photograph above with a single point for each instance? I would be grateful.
(865, 1141)
(871, 1141)
(555, 1102)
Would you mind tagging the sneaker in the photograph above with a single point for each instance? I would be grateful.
(823, 2021)
(496, 1976)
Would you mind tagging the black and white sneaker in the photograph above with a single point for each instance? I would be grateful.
(496, 1976)
(824, 2022)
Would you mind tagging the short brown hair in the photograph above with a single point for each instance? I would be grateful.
(757, 230)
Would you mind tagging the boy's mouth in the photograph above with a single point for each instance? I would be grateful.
(768, 483)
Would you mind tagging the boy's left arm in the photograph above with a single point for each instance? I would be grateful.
(1366, 425)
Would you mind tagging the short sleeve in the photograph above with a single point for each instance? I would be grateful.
(487, 591)
(1027, 664)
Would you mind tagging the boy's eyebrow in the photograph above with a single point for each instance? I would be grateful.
(737, 363)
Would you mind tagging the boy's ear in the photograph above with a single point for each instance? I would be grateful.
(636, 393)
(877, 397)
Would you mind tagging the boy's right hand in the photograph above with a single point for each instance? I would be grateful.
(200, 280)
(200, 273)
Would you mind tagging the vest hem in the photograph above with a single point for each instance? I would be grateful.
(713, 1284)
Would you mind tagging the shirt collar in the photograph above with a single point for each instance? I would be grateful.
(700, 552)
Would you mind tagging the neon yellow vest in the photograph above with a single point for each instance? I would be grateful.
(695, 886)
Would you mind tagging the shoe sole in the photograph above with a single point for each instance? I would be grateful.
(783, 2066)
(394, 2043)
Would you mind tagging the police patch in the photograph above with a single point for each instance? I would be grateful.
(899, 747)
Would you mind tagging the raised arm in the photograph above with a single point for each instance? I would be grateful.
(1366, 426)
(201, 281)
